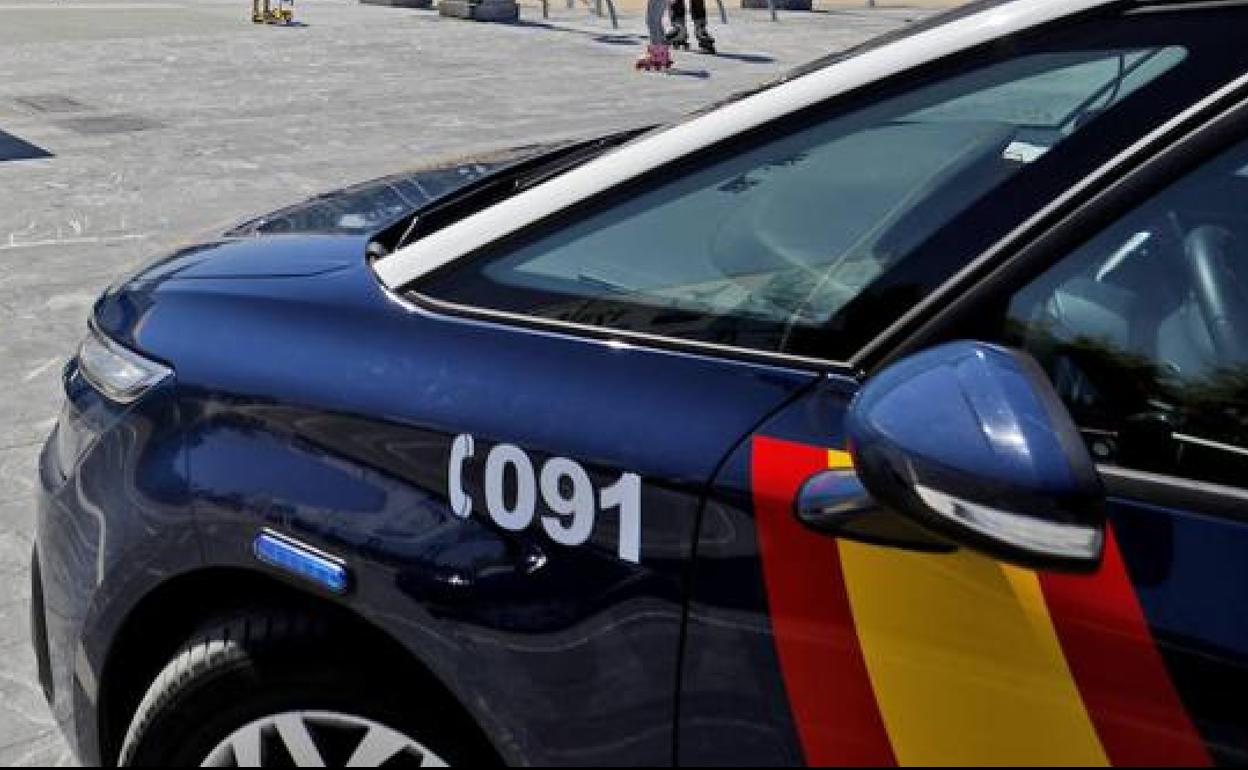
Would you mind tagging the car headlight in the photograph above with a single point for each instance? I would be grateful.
(117, 372)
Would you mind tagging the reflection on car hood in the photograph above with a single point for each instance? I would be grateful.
(368, 207)
(297, 256)
(328, 232)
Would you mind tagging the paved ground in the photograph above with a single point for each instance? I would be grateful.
(162, 120)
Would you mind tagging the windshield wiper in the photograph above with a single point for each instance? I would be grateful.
(602, 284)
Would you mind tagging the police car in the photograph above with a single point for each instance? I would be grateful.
(896, 412)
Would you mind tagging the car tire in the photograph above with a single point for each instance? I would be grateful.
(231, 692)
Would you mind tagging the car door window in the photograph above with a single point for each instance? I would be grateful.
(1144, 329)
(764, 247)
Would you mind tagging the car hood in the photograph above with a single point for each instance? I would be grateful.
(369, 207)
(328, 232)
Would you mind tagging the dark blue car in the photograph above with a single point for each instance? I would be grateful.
(894, 413)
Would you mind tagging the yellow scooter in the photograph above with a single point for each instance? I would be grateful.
(265, 12)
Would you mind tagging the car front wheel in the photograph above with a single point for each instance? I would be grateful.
(263, 689)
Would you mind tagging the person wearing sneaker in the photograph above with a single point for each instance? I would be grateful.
(658, 55)
(678, 37)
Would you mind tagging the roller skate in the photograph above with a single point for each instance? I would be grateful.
(678, 36)
(658, 58)
(706, 43)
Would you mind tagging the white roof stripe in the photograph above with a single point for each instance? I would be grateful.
(632, 160)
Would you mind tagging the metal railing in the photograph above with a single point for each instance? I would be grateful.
(615, 20)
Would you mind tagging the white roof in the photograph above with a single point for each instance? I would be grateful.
(614, 168)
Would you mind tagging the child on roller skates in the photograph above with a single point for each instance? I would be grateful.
(679, 36)
(658, 55)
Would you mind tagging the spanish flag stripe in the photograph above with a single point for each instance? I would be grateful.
(891, 656)
(1121, 674)
(826, 681)
(965, 663)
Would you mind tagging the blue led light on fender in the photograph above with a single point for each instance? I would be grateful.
(301, 560)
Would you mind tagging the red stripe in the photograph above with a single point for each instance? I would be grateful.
(825, 676)
(1119, 670)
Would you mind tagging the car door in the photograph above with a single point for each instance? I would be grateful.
(1141, 329)
(882, 654)
(889, 648)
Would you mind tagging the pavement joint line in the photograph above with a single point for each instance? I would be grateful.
(46, 365)
(74, 241)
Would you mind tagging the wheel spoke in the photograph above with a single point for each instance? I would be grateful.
(255, 743)
(298, 740)
(246, 746)
(378, 745)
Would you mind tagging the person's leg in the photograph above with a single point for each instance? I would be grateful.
(705, 41)
(655, 9)
(658, 54)
(678, 37)
(699, 11)
(678, 10)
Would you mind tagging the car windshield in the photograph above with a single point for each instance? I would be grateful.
(782, 237)
(785, 243)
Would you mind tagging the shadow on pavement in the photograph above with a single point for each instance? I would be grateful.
(684, 73)
(12, 148)
(620, 39)
(748, 58)
(625, 38)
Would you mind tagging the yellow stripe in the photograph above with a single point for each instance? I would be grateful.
(838, 459)
(965, 663)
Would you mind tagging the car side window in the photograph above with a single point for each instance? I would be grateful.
(1144, 329)
(763, 247)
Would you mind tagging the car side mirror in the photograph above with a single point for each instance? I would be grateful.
(970, 441)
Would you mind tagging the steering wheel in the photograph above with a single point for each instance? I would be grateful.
(1217, 290)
